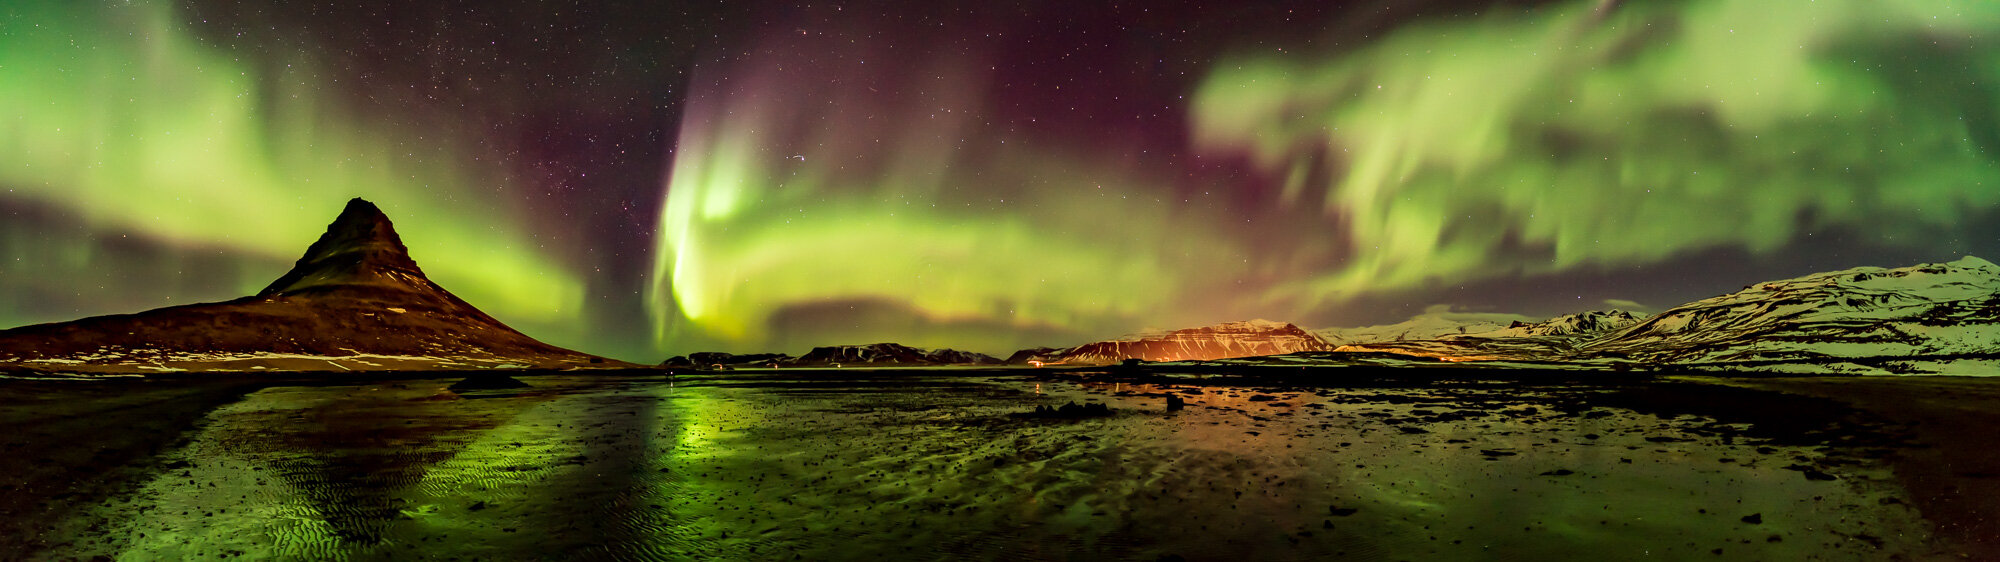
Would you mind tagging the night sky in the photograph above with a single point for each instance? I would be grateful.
(642, 179)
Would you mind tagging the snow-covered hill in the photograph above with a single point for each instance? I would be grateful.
(1930, 318)
(1580, 324)
(1942, 318)
(1555, 339)
(1434, 323)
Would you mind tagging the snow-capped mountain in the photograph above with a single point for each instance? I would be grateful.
(1548, 340)
(1942, 317)
(1436, 322)
(1580, 324)
(1221, 341)
(1929, 318)
(355, 301)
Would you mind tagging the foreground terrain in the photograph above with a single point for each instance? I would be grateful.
(937, 464)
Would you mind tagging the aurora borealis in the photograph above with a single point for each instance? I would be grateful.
(641, 180)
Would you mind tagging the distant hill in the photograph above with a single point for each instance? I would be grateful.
(354, 302)
(868, 355)
(1930, 318)
(1925, 319)
(1221, 341)
(1435, 323)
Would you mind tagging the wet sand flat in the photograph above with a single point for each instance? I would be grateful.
(935, 465)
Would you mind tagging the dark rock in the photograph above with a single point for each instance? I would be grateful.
(1754, 519)
(1811, 473)
(1070, 410)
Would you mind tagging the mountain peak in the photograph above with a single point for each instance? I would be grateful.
(359, 247)
(354, 302)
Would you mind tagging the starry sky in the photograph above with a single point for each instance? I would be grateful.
(641, 179)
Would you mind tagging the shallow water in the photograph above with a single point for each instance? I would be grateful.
(771, 466)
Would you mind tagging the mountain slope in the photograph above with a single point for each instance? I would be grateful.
(354, 301)
(1555, 339)
(1926, 318)
(1579, 324)
(1929, 318)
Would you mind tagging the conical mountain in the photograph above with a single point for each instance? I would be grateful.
(360, 248)
(355, 301)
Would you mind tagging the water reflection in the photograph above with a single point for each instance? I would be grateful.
(756, 466)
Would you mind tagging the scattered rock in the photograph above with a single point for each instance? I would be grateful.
(1754, 519)
(1067, 411)
(1811, 473)
(1559, 472)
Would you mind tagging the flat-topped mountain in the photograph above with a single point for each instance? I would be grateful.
(355, 301)
(1221, 341)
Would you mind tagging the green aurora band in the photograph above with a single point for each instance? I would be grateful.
(120, 116)
(1584, 136)
(969, 237)
(826, 192)
(1601, 135)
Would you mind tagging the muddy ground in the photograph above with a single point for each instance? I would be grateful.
(944, 465)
